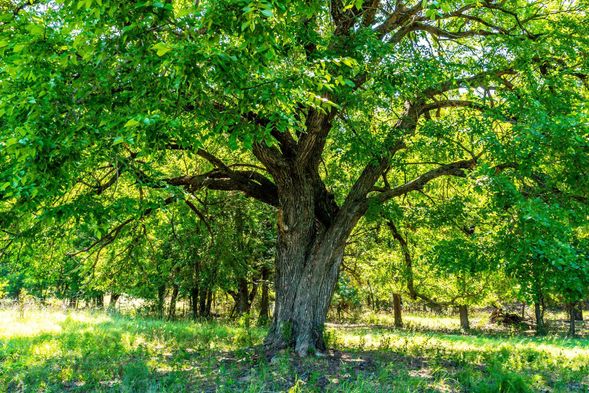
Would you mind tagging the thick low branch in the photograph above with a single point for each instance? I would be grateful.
(451, 104)
(251, 183)
(454, 169)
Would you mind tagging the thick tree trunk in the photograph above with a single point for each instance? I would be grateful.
(397, 310)
(312, 233)
(464, 322)
(539, 313)
(265, 300)
(307, 268)
(301, 309)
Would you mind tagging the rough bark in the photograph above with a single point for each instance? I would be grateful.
(309, 254)
(464, 322)
(397, 310)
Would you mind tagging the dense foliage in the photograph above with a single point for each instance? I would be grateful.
(166, 150)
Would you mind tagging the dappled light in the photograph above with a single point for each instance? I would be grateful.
(294, 196)
(82, 351)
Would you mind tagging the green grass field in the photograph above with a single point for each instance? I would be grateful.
(54, 351)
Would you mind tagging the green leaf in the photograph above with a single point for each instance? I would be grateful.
(162, 48)
(131, 123)
(118, 140)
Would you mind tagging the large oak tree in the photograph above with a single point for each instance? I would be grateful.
(322, 109)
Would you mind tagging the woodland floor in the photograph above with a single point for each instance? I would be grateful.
(55, 351)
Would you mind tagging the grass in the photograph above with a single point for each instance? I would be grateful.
(81, 351)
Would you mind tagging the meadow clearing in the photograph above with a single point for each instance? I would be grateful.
(94, 351)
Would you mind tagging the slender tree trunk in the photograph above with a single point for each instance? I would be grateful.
(252, 294)
(98, 300)
(173, 299)
(265, 300)
(539, 313)
(114, 298)
(195, 291)
(202, 302)
(408, 271)
(194, 302)
(209, 303)
(572, 308)
(161, 298)
(397, 310)
(464, 322)
(242, 303)
(578, 311)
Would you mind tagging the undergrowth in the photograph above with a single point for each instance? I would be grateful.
(54, 351)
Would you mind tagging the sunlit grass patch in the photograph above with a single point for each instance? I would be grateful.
(95, 351)
(531, 361)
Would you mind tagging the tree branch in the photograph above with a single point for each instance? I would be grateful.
(251, 183)
(454, 169)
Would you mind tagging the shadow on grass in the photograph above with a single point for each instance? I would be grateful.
(141, 355)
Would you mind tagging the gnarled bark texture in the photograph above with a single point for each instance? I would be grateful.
(309, 254)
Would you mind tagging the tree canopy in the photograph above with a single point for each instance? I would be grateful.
(467, 119)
